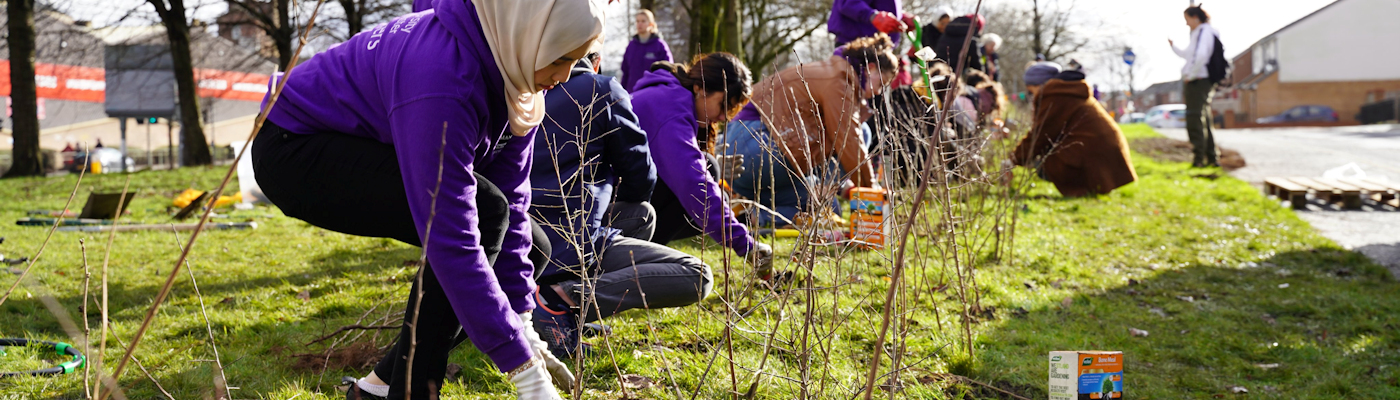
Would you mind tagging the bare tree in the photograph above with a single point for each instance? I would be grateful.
(775, 27)
(23, 92)
(273, 17)
(195, 150)
(360, 14)
(1053, 31)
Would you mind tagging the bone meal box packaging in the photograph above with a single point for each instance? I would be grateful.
(1076, 375)
(868, 209)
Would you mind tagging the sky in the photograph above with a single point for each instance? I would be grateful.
(1147, 24)
(1144, 24)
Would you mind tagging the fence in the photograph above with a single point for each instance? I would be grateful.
(1380, 111)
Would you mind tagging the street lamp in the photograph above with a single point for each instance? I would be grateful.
(1128, 58)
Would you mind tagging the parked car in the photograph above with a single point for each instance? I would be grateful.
(110, 159)
(1167, 116)
(1306, 113)
(1132, 118)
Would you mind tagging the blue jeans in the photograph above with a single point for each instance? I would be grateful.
(767, 179)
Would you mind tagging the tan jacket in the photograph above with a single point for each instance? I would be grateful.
(814, 111)
(1084, 152)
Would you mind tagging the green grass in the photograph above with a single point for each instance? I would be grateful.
(1117, 258)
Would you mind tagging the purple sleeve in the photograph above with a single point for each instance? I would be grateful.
(420, 5)
(510, 171)
(665, 49)
(454, 244)
(681, 164)
(859, 10)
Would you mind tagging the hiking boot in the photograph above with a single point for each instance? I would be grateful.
(355, 393)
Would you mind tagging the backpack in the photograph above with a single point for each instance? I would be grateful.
(1218, 68)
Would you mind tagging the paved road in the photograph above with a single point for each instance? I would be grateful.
(1310, 151)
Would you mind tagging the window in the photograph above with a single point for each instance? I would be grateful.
(1265, 56)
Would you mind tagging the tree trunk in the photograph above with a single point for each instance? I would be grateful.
(714, 26)
(27, 160)
(282, 34)
(731, 30)
(1037, 45)
(354, 15)
(195, 148)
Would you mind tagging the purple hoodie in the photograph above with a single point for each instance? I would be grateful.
(399, 83)
(667, 114)
(850, 19)
(639, 57)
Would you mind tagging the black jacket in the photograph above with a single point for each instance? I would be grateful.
(951, 41)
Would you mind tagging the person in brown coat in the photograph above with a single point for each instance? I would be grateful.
(1073, 142)
(801, 118)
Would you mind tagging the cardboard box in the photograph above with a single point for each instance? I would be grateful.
(1076, 375)
(870, 201)
(870, 230)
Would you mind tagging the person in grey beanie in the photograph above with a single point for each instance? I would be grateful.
(1073, 143)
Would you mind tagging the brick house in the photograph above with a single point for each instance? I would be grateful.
(1335, 57)
(1160, 93)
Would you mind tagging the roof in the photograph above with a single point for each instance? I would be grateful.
(1290, 25)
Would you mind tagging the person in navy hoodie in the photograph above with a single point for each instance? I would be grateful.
(421, 130)
(672, 101)
(646, 48)
(602, 264)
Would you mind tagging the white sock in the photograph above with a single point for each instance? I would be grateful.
(377, 390)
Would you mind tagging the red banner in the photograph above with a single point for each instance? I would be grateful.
(61, 82)
(231, 85)
(74, 83)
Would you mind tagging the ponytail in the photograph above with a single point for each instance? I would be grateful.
(712, 73)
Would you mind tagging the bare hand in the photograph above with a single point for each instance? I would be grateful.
(1170, 42)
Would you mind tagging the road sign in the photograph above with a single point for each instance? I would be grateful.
(1129, 57)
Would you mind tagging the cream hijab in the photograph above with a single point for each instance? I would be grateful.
(528, 35)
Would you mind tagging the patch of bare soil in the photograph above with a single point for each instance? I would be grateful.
(1172, 150)
(359, 355)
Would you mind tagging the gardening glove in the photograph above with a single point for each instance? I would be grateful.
(910, 22)
(886, 22)
(533, 384)
(761, 257)
(730, 166)
(557, 370)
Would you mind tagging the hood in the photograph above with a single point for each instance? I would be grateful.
(659, 77)
(960, 26)
(460, 19)
(1057, 88)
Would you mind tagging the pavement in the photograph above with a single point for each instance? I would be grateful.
(1308, 152)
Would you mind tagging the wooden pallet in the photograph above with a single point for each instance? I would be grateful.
(1349, 193)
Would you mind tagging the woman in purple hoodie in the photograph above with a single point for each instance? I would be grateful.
(646, 48)
(420, 130)
(672, 101)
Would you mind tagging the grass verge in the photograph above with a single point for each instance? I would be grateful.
(1197, 259)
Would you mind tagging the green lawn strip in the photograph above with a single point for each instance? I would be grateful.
(1228, 249)
(1175, 234)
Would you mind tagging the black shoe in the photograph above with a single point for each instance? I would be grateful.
(355, 393)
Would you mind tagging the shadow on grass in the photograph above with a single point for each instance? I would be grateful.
(1303, 324)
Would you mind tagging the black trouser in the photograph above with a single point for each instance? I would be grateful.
(353, 185)
(672, 222)
(1199, 126)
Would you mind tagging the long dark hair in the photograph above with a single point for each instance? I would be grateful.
(1199, 13)
(714, 72)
